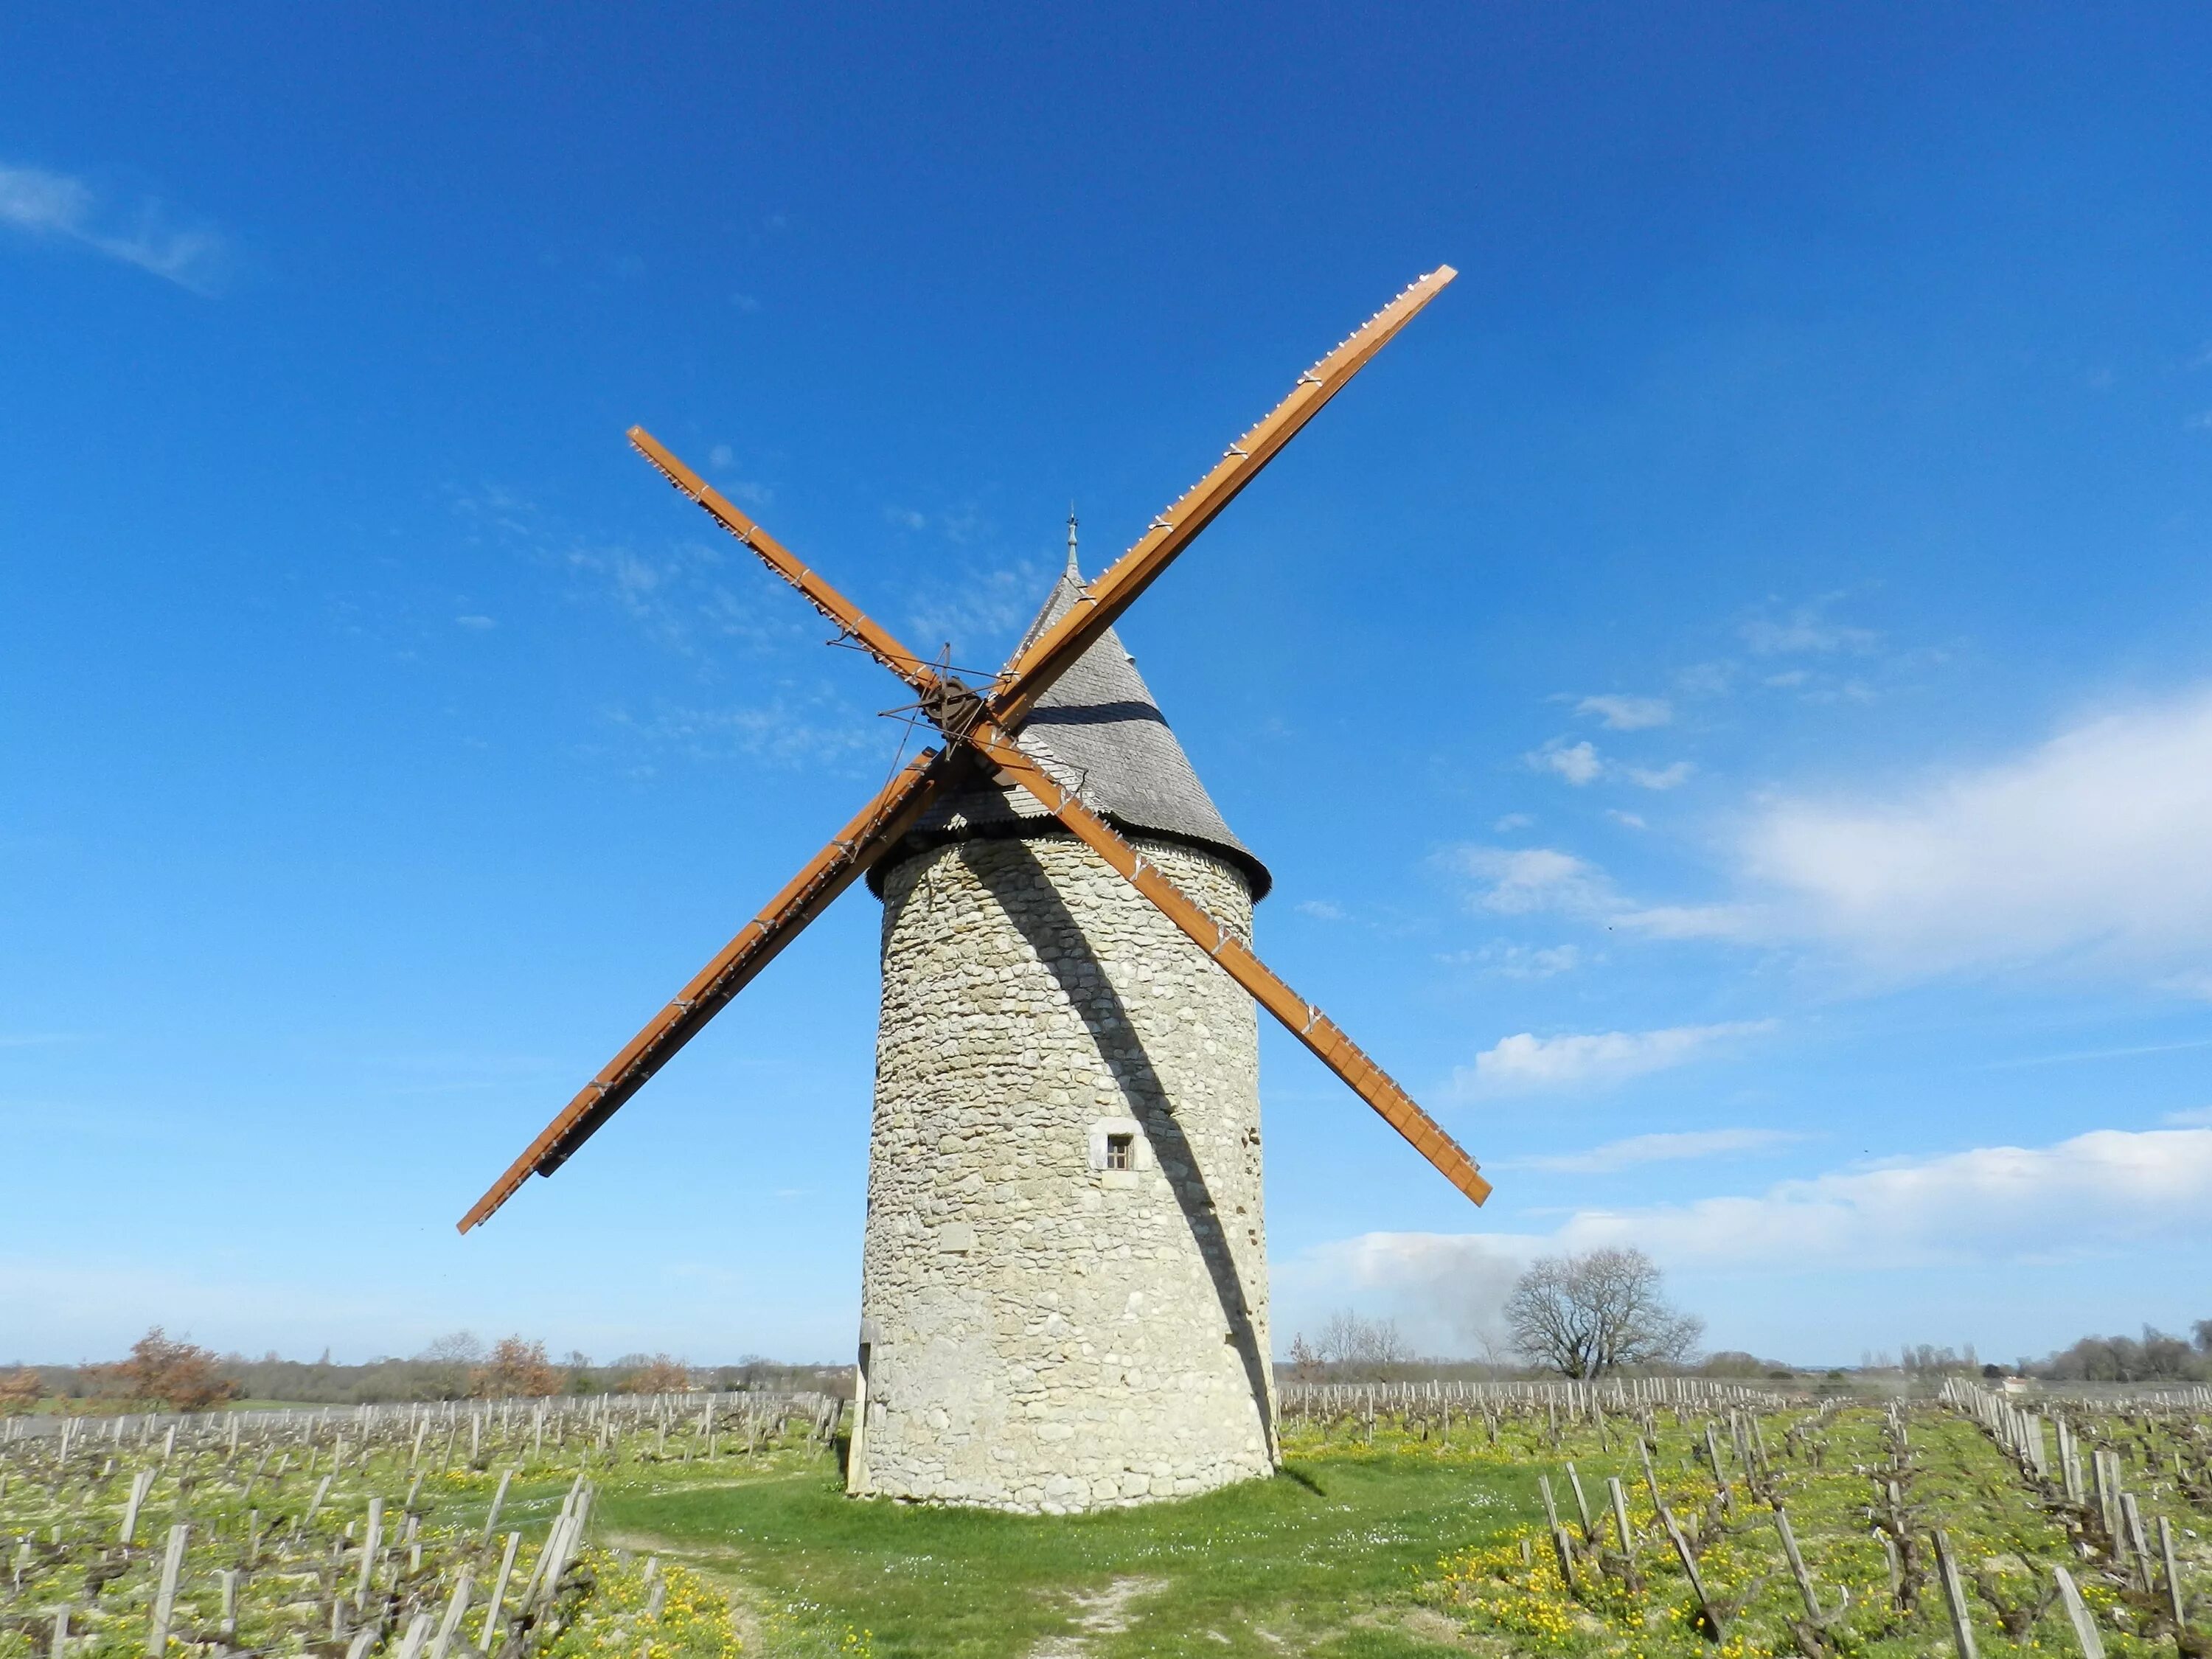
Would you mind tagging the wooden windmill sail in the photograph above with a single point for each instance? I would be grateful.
(999, 741)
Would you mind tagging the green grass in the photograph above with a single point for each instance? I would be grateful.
(1309, 1559)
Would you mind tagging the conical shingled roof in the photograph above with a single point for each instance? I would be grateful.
(1099, 722)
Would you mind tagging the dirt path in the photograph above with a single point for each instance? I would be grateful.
(1104, 1613)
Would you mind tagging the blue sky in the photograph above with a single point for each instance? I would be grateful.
(1724, 696)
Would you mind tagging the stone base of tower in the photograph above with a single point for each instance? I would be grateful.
(1064, 1291)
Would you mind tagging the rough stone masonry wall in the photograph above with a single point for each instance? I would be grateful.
(1043, 1332)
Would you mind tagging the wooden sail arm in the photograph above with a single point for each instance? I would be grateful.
(1032, 673)
(848, 617)
(877, 827)
(1308, 1024)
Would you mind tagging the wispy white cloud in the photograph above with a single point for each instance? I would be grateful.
(1578, 762)
(1516, 881)
(1626, 713)
(1630, 820)
(1529, 1064)
(2085, 853)
(474, 623)
(1671, 1147)
(56, 206)
(2090, 846)
(1511, 822)
(1530, 880)
(1804, 628)
(1740, 924)
(2074, 1056)
(2197, 1117)
(1523, 961)
(1661, 777)
(1992, 1203)
(782, 731)
(1320, 909)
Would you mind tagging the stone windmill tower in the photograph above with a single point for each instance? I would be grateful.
(1064, 1297)
(1064, 1294)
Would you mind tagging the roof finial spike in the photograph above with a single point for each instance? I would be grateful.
(1074, 570)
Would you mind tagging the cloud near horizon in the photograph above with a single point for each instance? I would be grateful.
(55, 205)
(2114, 1189)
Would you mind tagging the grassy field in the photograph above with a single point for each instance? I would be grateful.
(1322, 1559)
(1406, 1545)
(718, 1528)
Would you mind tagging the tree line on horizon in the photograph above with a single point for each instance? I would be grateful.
(174, 1374)
(1605, 1312)
(1599, 1314)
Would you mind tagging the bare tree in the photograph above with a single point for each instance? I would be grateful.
(447, 1361)
(1350, 1343)
(1583, 1316)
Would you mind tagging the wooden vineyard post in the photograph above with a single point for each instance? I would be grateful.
(1627, 1538)
(1955, 1598)
(2173, 1596)
(165, 1597)
(1581, 1506)
(371, 1541)
(2131, 1518)
(60, 1648)
(1720, 1476)
(491, 1516)
(2077, 1615)
(456, 1609)
(1650, 1476)
(499, 1591)
(1706, 1608)
(1560, 1545)
(1805, 1586)
(140, 1483)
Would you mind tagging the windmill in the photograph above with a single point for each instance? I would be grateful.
(1064, 1296)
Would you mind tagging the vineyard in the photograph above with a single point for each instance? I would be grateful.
(1642, 1517)
(1673, 1522)
(365, 1530)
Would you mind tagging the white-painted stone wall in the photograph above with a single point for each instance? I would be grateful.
(1043, 1332)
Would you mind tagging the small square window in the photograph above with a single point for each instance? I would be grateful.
(1121, 1152)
